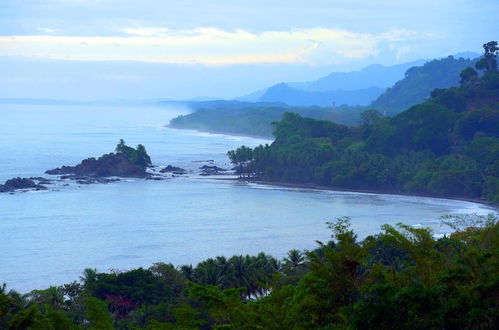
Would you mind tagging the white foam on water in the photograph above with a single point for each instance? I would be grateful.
(32, 191)
(190, 132)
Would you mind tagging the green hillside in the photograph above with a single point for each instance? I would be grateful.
(419, 82)
(447, 146)
(256, 120)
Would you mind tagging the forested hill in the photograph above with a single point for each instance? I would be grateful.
(245, 118)
(447, 146)
(256, 119)
(418, 83)
(295, 97)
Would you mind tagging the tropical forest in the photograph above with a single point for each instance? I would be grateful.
(271, 165)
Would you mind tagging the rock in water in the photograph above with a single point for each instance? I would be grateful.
(107, 165)
(211, 170)
(20, 183)
(173, 169)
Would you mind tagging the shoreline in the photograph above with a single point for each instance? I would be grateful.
(288, 184)
(259, 137)
(489, 204)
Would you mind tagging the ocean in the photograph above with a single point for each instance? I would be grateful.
(50, 237)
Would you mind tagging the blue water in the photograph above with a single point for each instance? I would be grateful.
(49, 237)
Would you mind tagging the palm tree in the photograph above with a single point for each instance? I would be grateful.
(244, 274)
(89, 277)
(269, 264)
(241, 158)
(120, 147)
(294, 259)
(55, 297)
(209, 272)
(265, 267)
(188, 272)
(19, 299)
(225, 269)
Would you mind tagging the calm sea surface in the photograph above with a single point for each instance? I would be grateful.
(48, 238)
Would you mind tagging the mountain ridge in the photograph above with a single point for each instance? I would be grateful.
(282, 92)
(342, 87)
(420, 81)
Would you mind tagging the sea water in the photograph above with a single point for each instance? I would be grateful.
(49, 237)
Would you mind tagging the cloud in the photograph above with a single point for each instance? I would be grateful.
(212, 46)
(45, 29)
(145, 31)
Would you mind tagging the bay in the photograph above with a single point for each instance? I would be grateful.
(49, 237)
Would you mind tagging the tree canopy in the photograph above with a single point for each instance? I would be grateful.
(488, 62)
(445, 146)
(138, 155)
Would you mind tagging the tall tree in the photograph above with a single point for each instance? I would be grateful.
(489, 62)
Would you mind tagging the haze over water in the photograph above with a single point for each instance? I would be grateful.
(49, 237)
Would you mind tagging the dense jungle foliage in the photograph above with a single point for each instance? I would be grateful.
(419, 82)
(401, 278)
(447, 146)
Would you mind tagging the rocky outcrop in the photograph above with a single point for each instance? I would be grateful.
(173, 169)
(156, 178)
(87, 179)
(20, 184)
(211, 170)
(41, 180)
(106, 166)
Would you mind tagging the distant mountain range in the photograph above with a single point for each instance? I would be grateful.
(376, 75)
(357, 87)
(295, 97)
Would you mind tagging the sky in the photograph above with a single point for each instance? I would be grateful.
(94, 49)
